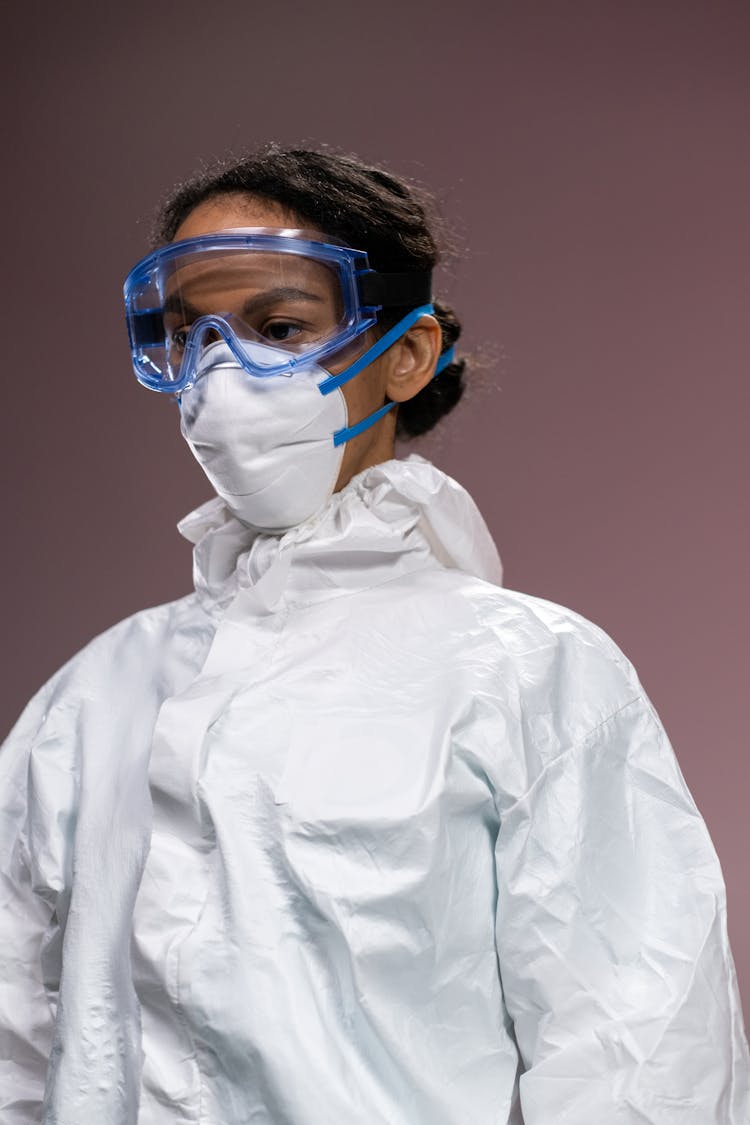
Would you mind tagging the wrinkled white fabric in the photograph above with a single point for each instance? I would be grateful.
(353, 834)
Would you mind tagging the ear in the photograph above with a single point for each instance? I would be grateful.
(413, 359)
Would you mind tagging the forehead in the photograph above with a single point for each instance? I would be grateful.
(223, 212)
(240, 271)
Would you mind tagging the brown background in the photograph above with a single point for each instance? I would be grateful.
(593, 158)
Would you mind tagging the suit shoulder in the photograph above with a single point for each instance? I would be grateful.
(134, 642)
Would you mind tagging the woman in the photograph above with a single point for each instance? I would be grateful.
(351, 834)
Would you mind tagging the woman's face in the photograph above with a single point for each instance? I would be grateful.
(367, 391)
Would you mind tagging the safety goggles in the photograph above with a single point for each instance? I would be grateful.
(302, 300)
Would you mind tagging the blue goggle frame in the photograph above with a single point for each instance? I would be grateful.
(364, 292)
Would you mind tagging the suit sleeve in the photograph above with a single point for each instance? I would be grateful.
(612, 940)
(27, 935)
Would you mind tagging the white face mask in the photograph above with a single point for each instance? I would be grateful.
(265, 444)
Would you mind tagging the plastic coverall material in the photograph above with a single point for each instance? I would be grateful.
(353, 834)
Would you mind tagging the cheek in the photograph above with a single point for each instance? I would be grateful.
(366, 391)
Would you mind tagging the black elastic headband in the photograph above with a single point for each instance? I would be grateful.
(393, 290)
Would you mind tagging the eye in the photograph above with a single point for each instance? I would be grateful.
(178, 338)
(281, 331)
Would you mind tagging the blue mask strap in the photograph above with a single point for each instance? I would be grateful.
(445, 359)
(377, 349)
(364, 360)
(351, 431)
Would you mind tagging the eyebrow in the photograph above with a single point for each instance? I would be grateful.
(175, 304)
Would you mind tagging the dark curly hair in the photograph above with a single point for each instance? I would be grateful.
(358, 204)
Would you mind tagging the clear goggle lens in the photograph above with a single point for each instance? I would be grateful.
(296, 304)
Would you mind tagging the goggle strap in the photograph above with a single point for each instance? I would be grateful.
(389, 290)
(377, 349)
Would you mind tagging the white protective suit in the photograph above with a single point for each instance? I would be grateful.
(354, 836)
